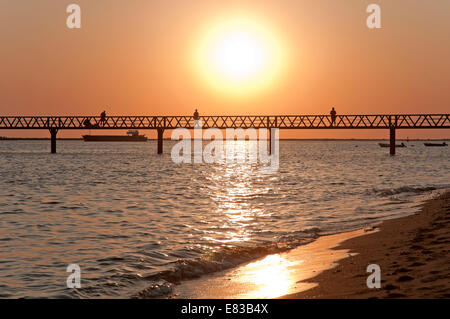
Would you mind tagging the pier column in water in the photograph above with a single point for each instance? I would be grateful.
(273, 132)
(392, 140)
(53, 132)
(160, 140)
(273, 143)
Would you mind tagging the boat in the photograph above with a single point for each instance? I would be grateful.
(435, 144)
(132, 136)
(389, 145)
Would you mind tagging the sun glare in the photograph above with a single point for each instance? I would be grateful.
(239, 56)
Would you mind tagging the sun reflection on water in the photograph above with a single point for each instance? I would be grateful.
(271, 276)
(232, 186)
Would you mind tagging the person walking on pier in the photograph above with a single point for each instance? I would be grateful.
(103, 118)
(333, 116)
(196, 118)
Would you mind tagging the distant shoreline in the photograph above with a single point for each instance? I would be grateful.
(4, 138)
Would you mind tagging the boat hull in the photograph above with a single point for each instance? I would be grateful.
(115, 138)
(435, 145)
(389, 145)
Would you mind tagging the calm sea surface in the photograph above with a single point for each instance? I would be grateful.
(132, 219)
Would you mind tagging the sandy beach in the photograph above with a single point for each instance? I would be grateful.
(413, 253)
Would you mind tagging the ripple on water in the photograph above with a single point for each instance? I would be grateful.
(135, 221)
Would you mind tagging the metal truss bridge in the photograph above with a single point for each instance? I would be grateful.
(161, 123)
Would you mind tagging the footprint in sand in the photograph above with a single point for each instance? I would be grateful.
(390, 287)
(395, 295)
(416, 264)
(401, 270)
(404, 253)
(405, 278)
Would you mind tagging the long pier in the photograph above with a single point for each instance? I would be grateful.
(392, 122)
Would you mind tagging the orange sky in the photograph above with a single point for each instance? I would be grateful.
(135, 57)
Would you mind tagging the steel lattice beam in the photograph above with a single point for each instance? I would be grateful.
(381, 121)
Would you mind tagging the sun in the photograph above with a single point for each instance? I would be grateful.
(239, 56)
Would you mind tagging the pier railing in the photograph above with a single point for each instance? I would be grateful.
(161, 123)
(380, 121)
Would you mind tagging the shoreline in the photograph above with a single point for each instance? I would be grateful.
(412, 252)
(5, 138)
(270, 276)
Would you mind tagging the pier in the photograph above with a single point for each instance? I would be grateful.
(391, 122)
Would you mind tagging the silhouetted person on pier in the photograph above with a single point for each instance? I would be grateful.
(103, 117)
(333, 116)
(87, 123)
(196, 119)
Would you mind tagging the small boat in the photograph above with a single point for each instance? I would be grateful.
(435, 144)
(389, 145)
(132, 136)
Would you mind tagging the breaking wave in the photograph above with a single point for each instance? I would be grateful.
(225, 258)
(404, 189)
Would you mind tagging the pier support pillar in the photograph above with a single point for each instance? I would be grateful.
(53, 132)
(160, 140)
(273, 141)
(392, 140)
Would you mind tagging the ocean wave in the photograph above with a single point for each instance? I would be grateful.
(403, 189)
(155, 291)
(225, 258)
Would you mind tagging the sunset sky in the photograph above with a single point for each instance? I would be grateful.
(151, 58)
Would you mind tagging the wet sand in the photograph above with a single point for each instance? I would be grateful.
(412, 251)
(272, 276)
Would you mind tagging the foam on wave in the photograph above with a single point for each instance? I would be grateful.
(225, 258)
